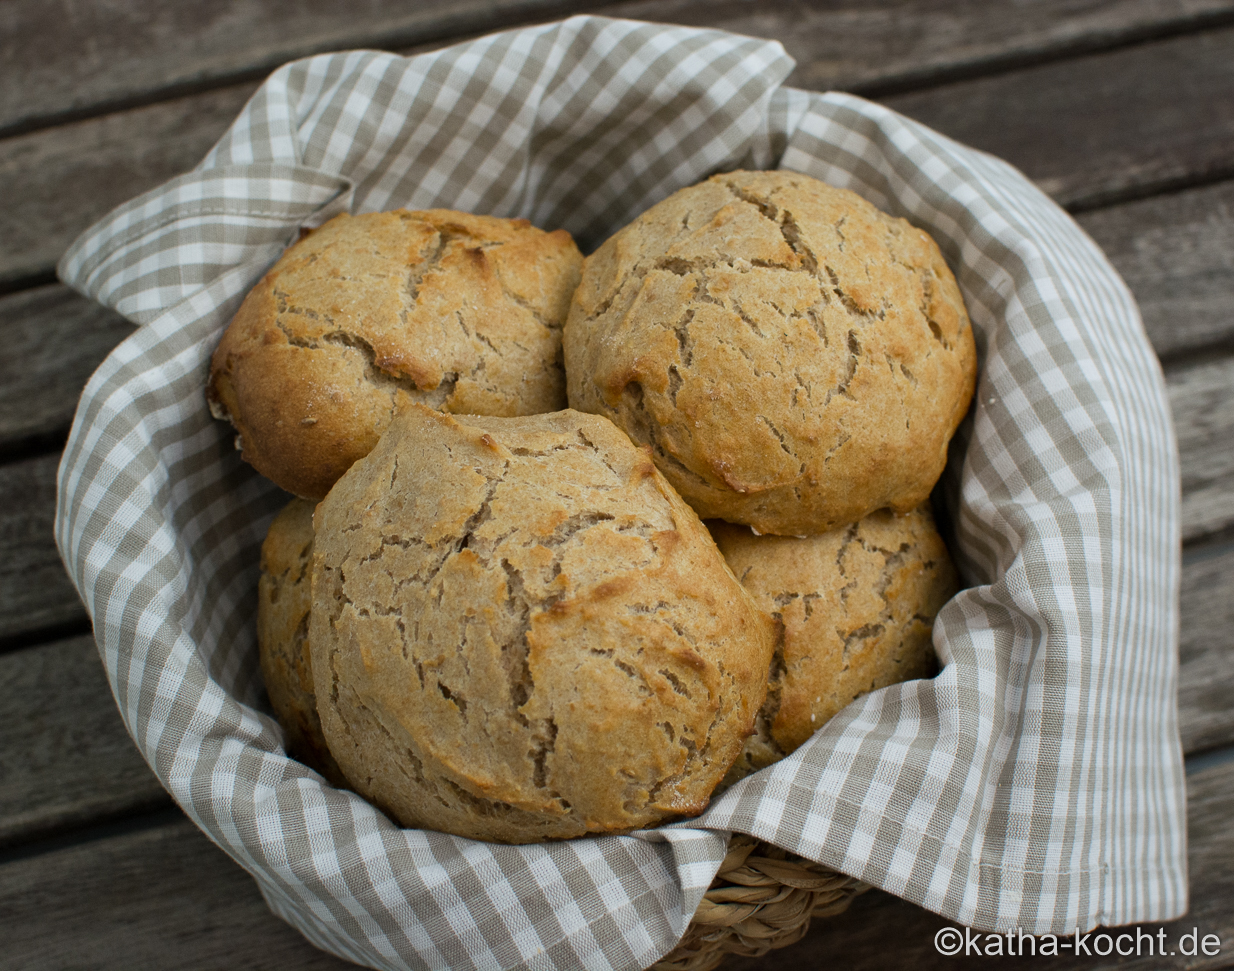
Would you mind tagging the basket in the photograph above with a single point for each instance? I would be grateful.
(1036, 782)
(762, 898)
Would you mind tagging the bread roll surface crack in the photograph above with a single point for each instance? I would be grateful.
(367, 313)
(521, 632)
(794, 358)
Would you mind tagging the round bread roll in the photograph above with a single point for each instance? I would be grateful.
(795, 358)
(854, 611)
(460, 312)
(284, 598)
(520, 632)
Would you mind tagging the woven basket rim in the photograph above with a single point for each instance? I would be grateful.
(762, 898)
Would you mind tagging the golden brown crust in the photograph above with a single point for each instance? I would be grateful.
(795, 358)
(854, 611)
(520, 631)
(459, 312)
(283, 603)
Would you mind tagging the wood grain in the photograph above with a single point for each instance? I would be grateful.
(1202, 399)
(883, 933)
(1094, 129)
(1176, 252)
(110, 54)
(1088, 129)
(57, 182)
(160, 897)
(1206, 648)
(888, 44)
(35, 592)
(54, 339)
(65, 756)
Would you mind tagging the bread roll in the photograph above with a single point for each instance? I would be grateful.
(795, 358)
(284, 599)
(520, 631)
(854, 611)
(460, 312)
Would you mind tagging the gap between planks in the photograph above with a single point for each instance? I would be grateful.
(107, 58)
(1092, 128)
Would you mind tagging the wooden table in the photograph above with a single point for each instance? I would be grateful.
(1122, 110)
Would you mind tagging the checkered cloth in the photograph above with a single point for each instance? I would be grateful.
(1035, 783)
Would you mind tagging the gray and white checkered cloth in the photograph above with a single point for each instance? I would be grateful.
(1035, 783)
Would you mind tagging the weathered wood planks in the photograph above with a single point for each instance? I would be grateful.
(1176, 253)
(65, 757)
(1206, 648)
(1202, 399)
(109, 55)
(61, 180)
(1077, 126)
(35, 592)
(1098, 128)
(154, 893)
(54, 339)
(881, 46)
(156, 897)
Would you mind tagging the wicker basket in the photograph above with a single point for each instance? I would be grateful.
(762, 898)
(169, 599)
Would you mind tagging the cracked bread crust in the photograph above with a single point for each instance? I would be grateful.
(459, 312)
(520, 632)
(284, 599)
(854, 611)
(794, 357)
